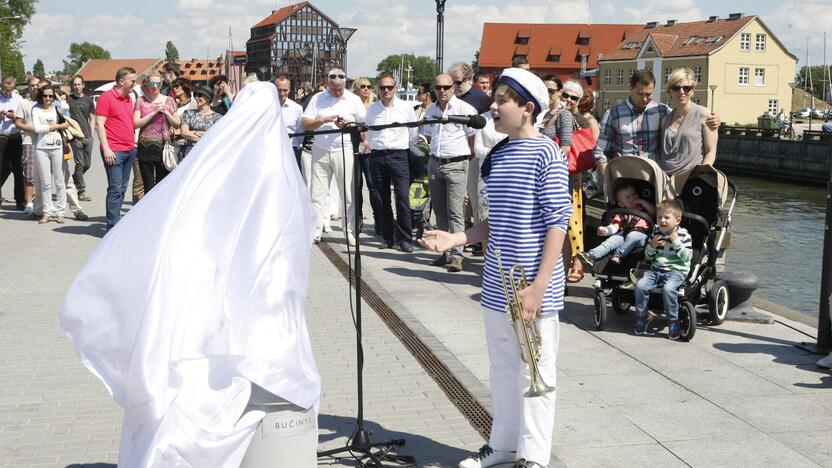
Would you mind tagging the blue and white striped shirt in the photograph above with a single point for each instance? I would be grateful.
(528, 194)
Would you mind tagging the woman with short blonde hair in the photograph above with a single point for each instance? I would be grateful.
(362, 88)
(684, 140)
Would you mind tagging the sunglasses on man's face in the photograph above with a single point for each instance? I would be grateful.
(681, 88)
(443, 87)
(565, 96)
(339, 76)
(386, 88)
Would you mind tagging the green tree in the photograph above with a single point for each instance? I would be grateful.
(11, 30)
(476, 63)
(80, 53)
(813, 83)
(38, 70)
(171, 54)
(424, 68)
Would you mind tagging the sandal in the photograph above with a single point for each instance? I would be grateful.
(576, 273)
(46, 218)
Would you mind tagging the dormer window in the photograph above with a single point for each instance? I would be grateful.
(522, 37)
(553, 57)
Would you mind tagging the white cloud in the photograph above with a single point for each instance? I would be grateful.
(655, 10)
(794, 22)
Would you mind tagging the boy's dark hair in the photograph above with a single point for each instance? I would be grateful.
(642, 77)
(512, 94)
(124, 71)
(672, 206)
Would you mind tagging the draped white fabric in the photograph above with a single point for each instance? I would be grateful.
(199, 291)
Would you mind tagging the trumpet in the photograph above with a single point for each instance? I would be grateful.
(527, 335)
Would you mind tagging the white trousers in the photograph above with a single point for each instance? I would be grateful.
(71, 193)
(325, 166)
(49, 173)
(521, 424)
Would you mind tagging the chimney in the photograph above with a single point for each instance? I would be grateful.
(652, 24)
(671, 23)
(735, 16)
(274, 11)
(713, 19)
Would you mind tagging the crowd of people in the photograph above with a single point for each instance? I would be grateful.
(504, 188)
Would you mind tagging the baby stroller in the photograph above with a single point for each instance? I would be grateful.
(706, 217)
(419, 187)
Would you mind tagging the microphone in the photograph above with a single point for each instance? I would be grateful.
(473, 121)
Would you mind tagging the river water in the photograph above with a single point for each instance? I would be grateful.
(777, 233)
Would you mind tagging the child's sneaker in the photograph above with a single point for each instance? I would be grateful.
(642, 324)
(675, 332)
(587, 258)
(615, 259)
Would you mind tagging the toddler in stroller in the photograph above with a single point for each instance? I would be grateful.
(626, 231)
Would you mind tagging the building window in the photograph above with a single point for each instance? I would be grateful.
(607, 77)
(521, 39)
(760, 76)
(773, 106)
(582, 41)
(745, 42)
(697, 101)
(667, 72)
(553, 58)
(697, 73)
(620, 79)
(743, 76)
(760, 43)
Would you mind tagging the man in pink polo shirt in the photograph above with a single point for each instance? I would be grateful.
(114, 123)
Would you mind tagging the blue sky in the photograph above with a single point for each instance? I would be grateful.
(200, 27)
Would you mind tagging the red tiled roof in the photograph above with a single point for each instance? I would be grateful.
(671, 40)
(280, 15)
(196, 69)
(498, 46)
(105, 69)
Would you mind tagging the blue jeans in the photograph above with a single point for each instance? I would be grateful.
(118, 176)
(653, 278)
(393, 166)
(622, 244)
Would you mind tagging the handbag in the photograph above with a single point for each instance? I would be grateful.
(580, 156)
(169, 155)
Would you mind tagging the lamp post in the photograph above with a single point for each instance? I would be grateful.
(713, 95)
(1, 52)
(440, 33)
(345, 34)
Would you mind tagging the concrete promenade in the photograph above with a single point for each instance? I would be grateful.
(740, 394)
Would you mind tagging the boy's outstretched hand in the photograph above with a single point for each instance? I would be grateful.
(436, 240)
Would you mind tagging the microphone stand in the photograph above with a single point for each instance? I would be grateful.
(360, 446)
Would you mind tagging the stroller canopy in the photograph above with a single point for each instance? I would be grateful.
(631, 169)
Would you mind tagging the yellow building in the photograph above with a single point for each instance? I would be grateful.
(742, 69)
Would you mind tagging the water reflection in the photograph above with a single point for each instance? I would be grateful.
(778, 235)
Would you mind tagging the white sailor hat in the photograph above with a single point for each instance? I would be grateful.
(528, 86)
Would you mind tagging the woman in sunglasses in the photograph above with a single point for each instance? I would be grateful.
(684, 139)
(49, 155)
(154, 115)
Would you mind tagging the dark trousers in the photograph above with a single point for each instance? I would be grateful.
(82, 153)
(152, 173)
(11, 163)
(118, 176)
(393, 166)
(365, 163)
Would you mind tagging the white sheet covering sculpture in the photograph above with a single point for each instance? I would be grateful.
(200, 291)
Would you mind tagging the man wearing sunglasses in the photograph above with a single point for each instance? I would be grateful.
(463, 75)
(631, 128)
(333, 108)
(451, 147)
(390, 162)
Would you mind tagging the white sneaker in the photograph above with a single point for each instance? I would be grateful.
(327, 228)
(488, 457)
(826, 362)
(350, 239)
(28, 209)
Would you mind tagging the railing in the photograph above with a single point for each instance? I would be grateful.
(817, 135)
(750, 132)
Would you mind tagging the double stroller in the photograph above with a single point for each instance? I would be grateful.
(708, 198)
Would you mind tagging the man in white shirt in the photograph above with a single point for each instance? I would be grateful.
(291, 111)
(11, 146)
(389, 149)
(332, 154)
(451, 146)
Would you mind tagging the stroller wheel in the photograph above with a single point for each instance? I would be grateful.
(687, 320)
(620, 302)
(718, 302)
(600, 310)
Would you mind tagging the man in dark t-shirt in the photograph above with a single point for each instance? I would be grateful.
(82, 110)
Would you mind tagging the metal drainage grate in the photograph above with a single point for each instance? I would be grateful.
(476, 414)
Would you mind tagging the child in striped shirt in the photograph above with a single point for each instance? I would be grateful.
(529, 206)
(669, 252)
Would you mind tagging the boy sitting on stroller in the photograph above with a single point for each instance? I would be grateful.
(669, 253)
(626, 231)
